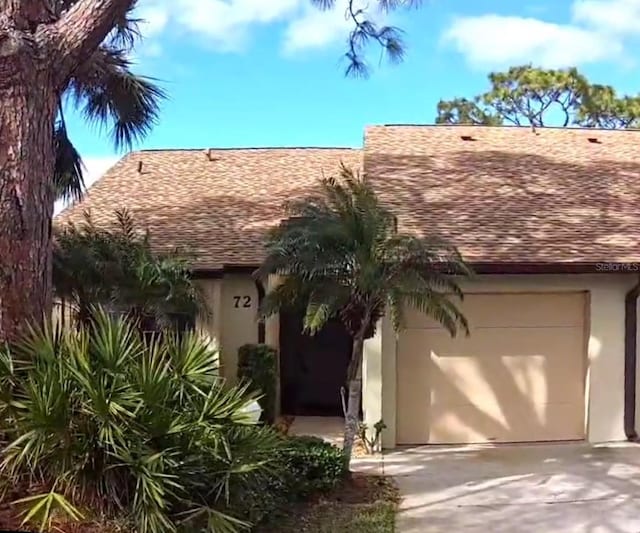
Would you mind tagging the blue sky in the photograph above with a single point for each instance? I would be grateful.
(269, 73)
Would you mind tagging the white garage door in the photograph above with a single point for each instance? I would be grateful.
(518, 377)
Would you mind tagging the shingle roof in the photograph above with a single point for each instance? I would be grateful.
(215, 203)
(504, 195)
(512, 195)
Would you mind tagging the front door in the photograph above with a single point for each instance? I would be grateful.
(312, 368)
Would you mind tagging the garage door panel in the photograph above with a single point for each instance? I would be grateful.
(541, 366)
(515, 310)
(514, 422)
(413, 379)
(519, 378)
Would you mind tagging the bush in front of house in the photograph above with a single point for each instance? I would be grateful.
(302, 468)
(314, 466)
(116, 267)
(104, 421)
(258, 365)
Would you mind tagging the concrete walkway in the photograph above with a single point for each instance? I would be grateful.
(561, 488)
(328, 428)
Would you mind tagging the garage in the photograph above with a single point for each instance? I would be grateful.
(519, 376)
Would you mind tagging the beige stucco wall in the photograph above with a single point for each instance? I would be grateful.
(604, 403)
(230, 327)
(231, 320)
(208, 322)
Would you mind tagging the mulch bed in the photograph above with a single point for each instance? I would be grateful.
(12, 523)
(11, 520)
(364, 488)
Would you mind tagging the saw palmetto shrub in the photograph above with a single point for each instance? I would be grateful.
(103, 420)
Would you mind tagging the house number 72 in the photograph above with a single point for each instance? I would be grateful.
(241, 301)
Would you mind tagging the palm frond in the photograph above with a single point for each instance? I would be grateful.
(41, 509)
(291, 293)
(439, 307)
(100, 418)
(325, 301)
(126, 32)
(117, 267)
(341, 254)
(109, 94)
(68, 176)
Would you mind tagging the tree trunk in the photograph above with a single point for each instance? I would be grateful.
(39, 51)
(352, 417)
(27, 113)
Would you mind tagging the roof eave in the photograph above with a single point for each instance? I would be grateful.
(600, 267)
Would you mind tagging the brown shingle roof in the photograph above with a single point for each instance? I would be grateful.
(217, 206)
(507, 195)
(512, 195)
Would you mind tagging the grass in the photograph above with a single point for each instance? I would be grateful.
(363, 504)
(331, 518)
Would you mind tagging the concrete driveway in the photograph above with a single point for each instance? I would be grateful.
(563, 488)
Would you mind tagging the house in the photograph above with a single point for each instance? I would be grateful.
(550, 220)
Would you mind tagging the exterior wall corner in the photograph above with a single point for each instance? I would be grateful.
(379, 382)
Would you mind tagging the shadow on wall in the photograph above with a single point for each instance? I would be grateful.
(517, 412)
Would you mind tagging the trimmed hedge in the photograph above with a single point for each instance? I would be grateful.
(257, 363)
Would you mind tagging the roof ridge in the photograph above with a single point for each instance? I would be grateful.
(504, 126)
(249, 148)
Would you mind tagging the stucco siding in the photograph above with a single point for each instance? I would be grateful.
(231, 320)
(208, 323)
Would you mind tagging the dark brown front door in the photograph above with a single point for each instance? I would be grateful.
(312, 368)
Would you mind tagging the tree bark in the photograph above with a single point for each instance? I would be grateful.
(352, 417)
(39, 52)
(82, 29)
(27, 113)
(354, 382)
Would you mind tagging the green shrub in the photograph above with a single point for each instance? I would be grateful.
(265, 500)
(302, 467)
(312, 465)
(257, 364)
(106, 420)
(115, 266)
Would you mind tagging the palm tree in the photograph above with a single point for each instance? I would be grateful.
(339, 254)
(107, 93)
(117, 268)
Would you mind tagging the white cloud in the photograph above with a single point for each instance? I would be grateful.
(155, 19)
(612, 17)
(598, 31)
(316, 29)
(227, 25)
